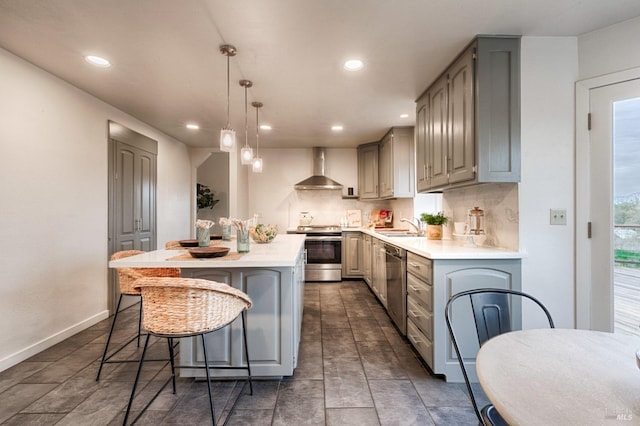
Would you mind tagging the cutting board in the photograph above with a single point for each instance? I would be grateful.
(382, 218)
(354, 218)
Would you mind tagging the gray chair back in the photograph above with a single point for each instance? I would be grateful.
(491, 309)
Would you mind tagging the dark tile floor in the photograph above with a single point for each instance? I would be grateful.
(354, 369)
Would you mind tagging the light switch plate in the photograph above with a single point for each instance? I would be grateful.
(558, 217)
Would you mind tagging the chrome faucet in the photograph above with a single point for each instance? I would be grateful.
(417, 227)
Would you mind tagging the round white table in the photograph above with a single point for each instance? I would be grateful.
(562, 377)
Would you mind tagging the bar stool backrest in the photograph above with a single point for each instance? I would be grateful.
(128, 276)
(188, 306)
(173, 244)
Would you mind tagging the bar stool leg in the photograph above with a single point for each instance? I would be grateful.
(206, 368)
(135, 384)
(139, 322)
(106, 346)
(173, 365)
(246, 351)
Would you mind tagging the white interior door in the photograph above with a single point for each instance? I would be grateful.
(596, 185)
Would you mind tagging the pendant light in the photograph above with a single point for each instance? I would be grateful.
(246, 153)
(256, 166)
(227, 134)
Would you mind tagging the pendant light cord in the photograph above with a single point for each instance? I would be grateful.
(257, 132)
(228, 92)
(246, 125)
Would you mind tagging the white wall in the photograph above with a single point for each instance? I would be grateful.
(214, 173)
(272, 196)
(549, 71)
(610, 49)
(53, 187)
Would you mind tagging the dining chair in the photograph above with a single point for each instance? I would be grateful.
(126, 280)
(188, 307)
(492, 314)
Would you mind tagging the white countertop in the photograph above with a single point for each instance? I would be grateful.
(444, 249)
(281, 252)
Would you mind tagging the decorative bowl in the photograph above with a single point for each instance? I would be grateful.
(263, 233)
(188, 243)
(216, 251)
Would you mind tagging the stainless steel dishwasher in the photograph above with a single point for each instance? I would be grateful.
(396, 265)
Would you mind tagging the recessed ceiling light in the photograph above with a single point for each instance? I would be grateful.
(353, 65)
(97, 61)
(265, 127)
(192, 126)
(337, 128)
(404, 115)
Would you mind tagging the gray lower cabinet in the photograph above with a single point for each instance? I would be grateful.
(430, 284)
(420, 306)
(273, 323)
(352, 254)
(366, 258)
(379, 271)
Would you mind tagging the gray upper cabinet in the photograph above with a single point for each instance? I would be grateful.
(469, 119)
(386, 169)
(368, 171)
(396, 164)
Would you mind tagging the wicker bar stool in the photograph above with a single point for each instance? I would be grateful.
(126, 278)
(172, 245)
(185, 307)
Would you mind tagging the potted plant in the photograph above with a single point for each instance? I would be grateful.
(434, 224)
(205, 197)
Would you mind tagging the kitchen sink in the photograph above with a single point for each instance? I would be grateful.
(398, 233)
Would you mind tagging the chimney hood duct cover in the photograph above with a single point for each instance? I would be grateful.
(318, 180)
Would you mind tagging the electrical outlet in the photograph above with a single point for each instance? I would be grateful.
(558, 217)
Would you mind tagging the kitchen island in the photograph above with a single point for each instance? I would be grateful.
(273, 276)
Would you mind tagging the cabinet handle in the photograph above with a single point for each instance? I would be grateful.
(414, 314)
(417, 290)
(414, 339)
(415, 265)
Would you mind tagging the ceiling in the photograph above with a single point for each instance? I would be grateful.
(167, 68)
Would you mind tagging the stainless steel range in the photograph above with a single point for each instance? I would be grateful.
(324, 252)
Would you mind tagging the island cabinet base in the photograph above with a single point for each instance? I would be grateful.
(273, 324)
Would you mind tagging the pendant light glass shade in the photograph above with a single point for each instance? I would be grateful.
(256, 165)
(227, 139)
(246, 153)
(227, 134)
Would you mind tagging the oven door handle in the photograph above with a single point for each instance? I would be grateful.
(323, 238)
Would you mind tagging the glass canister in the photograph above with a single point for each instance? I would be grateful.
(226, 232)
(204, 236)
(242, 240)
(476, 221)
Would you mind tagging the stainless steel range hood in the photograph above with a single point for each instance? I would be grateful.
(318, 180)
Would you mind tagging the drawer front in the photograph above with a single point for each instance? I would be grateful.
(423, 345)
(419, 266)
(421, 291)
(421, 318)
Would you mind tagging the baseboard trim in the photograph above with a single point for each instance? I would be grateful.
(46, 343)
